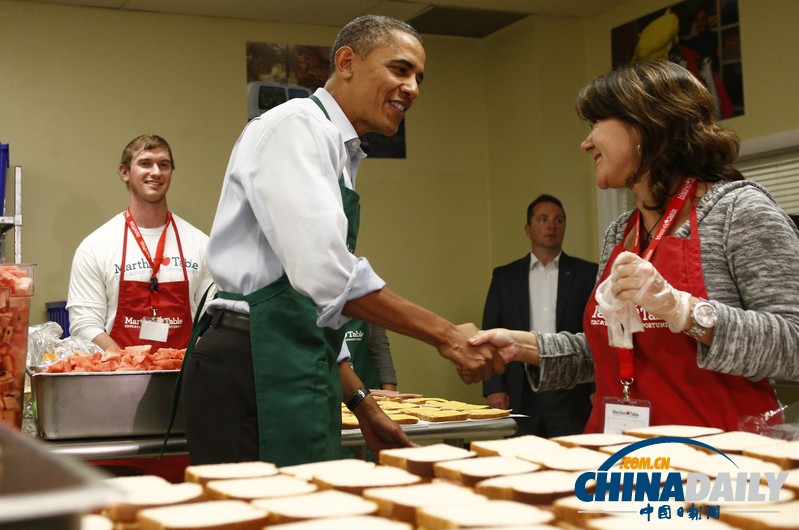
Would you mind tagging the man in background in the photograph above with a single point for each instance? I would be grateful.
(138, 279)
(546, 291)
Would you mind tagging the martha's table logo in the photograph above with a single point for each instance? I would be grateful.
(646, 480)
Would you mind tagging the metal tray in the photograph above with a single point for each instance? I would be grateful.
(40, 490)
(104, 404)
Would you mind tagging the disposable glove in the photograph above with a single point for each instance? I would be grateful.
(636, 281)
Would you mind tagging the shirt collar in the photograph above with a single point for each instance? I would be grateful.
(341, 122)
(534, 260)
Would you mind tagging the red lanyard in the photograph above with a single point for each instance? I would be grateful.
(676, 203)
(155, 264)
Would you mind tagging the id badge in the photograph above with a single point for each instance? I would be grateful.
(621, 415)
(154, 329)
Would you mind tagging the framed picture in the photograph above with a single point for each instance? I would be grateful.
(279, 72)
(702, 35)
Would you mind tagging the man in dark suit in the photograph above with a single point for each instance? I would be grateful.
(545, 291)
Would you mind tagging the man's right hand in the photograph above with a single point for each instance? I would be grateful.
(473, 363)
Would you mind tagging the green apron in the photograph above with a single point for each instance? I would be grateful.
(298, 389)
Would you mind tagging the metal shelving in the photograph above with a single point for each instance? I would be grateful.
(7, 222)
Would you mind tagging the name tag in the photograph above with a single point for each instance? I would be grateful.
(154, 328)
(621, 415)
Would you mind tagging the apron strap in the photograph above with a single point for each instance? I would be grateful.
(202, 321)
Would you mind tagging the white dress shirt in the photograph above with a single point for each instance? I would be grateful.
(543, 294)
(281, 210)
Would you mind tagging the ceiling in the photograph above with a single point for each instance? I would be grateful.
(465, 18)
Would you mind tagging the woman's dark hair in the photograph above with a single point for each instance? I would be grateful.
(675, 116)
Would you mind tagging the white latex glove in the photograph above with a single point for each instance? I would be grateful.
(621, 317)
(637, 280)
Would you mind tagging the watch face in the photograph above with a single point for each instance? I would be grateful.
(705, 315)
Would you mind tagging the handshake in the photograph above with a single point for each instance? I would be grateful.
(478, 355)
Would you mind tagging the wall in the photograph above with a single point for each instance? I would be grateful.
(494, 127)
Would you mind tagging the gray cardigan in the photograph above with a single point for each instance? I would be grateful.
(750, 263)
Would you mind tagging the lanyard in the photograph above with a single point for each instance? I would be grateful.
(155, 264)
(676, 203)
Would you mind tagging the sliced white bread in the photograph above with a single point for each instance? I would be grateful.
(211, 515)
(362, 522)
(594, 440)
(566, 458)
(329, 503)
(247, 489)
(137, 482)
(420, 460)
(571, 510)
(402, 503)
(735, 442)
(125, 510)
(498, 513)
(470, 471)
(682, 431)
(208, 472)
(484, 414)
(402, 419)
(783, 453)
(512, 446)
(713, 464)
(541, 487)
(93, 521)
(783, 516)
(792, 482)
(307, 471)
(356, 480)
(442, 415)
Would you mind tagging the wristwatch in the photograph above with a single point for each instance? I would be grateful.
(704, 318)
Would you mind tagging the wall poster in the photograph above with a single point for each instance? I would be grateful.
(702, 35)
(279, 72)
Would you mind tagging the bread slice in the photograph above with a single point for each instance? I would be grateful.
(735, 442)
(484, 414)
(402, 419)
(125, 511)
(93, 521)
(247, 489)
(356, 480)
(329, 503)
(136, 483)
(208, 472)
(443, 415)
(349, 421)
(682, 431)
(361, 522)
(307, 471)
(210, 515)
(571, 510)
(513, 446)
(474, 515)
(594, 440)
(420, 460)
(778, 517)
(460, 405)
(424, 400)
(783, 453)
(792, 482)
(566, 458)
(540, 487)
(402, 503)
(470, 471)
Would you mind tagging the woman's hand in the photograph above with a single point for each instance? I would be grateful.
(511, 345)
(636, 279)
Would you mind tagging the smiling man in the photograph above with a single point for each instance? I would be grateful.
(268, 377)
(139, 278)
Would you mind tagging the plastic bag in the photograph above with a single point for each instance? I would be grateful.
(782, 423)
(46, 347)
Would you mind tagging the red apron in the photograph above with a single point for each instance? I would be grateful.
(136, 300)
(665, 364)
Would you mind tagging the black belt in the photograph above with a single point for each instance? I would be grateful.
(232, 320)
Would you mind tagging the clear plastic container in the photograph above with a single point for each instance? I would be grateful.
(16, 291)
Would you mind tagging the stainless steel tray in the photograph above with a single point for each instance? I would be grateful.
(103, 405)
(40, 490)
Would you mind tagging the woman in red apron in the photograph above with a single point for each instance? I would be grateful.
(699, 296)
